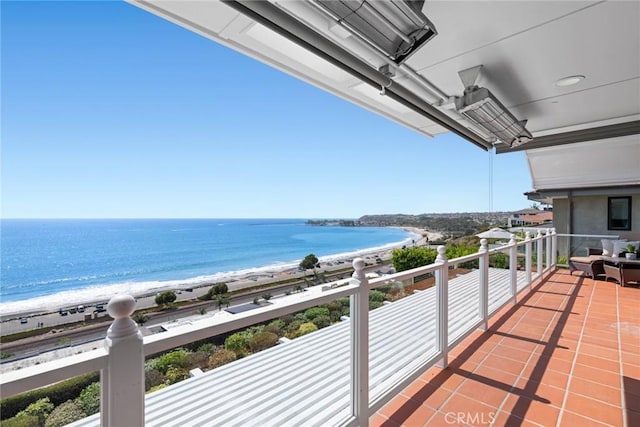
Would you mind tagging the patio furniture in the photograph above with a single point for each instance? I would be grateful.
(621, 270)
(591, 265)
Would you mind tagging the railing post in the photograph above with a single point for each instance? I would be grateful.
(527, 257)
(442, 306)
(540, 242)
(548, 247)
(513, 267)
(359, 309)
(483, 266)
(123, 390)
(554, 247)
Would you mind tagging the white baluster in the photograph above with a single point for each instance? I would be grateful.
(483, 266)
(513, 268)
(442, 306)
(554, 247)
(548, 247)
(123, 380)
(540, 242)
(359, 308)
(527, 257)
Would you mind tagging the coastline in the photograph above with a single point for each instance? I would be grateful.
(193, 288)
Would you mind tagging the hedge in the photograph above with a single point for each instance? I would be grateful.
(57, 393)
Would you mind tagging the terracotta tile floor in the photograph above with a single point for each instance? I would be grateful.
(568, 354)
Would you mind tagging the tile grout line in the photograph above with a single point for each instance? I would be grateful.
(530, 309)
(455, 392)
(621, 366)
(575, 357)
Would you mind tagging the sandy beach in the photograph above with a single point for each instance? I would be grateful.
(43, 312)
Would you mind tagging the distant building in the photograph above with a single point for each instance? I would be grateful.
(529, 217)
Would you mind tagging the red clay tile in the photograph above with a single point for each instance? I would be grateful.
(594, 409)
(489, 394)
(596, 391)
(556, 335)
(570, 419)
(600, 363)
(377, 420)
(599, 351)
(541, 392)
(531, 410)
(596, 375)
(473, 409)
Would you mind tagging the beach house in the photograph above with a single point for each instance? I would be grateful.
(516, 346)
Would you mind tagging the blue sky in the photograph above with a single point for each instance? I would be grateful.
(111, 112)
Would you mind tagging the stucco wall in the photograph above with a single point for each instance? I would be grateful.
(589, 217)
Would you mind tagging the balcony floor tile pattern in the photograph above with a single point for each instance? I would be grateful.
(567, 354)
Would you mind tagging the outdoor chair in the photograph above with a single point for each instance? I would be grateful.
(592, 264)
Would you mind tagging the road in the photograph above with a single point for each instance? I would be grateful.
(72, 336)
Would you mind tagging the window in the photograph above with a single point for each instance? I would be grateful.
(619, 213)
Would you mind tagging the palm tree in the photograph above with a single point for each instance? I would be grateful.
(222, 299)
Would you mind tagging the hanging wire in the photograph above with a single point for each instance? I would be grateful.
(491, 151)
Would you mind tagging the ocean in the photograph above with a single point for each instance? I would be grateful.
(47, 262)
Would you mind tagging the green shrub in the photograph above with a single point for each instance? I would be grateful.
(40, 408)
(89, 399)
(374, 304)
(157, 387)
(197, 359)
(140, 318)
(166, 298)
(344, 301)
(22, 420)
(57, 393)
(385, 288)
(408, 258)
(221, 357)
(499, 260)
(238, 343)
(314, 312)
(306, 328)
(262, 340)
(293, 326)
(376, 296)
(206, 347)
(64, 414)
(276, 327)
(177, 358)
(152, 378)
(322, 321)
(176, 374)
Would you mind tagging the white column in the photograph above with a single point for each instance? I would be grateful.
(483, 266)
(554, 247)
(513, 268)
(548, 246)
(359, 309)
(124, 375)
(442, 306)
(540, 253)
(527, 257)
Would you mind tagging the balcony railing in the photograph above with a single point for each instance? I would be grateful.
(378, 366)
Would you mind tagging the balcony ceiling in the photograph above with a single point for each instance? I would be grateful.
(523, 47)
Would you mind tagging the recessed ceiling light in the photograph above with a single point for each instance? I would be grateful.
(569, 81)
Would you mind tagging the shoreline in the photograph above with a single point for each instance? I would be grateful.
(188, 289)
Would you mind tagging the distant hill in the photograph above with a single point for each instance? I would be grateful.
(451, 225)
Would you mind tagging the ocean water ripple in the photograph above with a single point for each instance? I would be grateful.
(45, 262)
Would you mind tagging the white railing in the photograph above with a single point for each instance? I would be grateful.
(121, 362)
